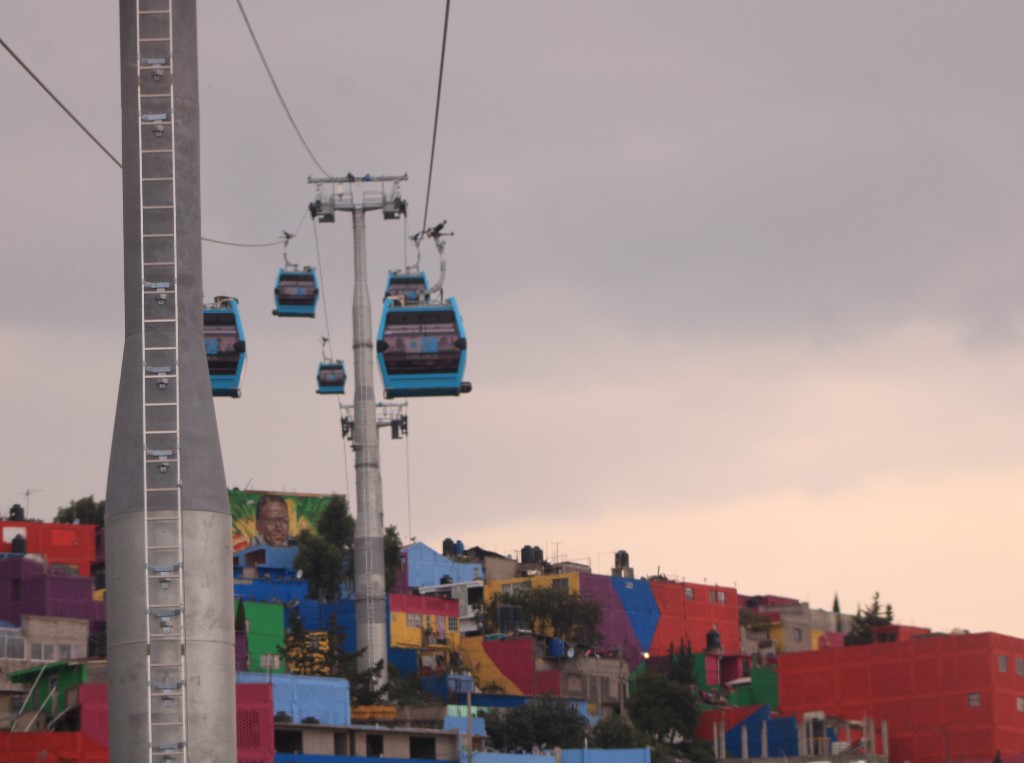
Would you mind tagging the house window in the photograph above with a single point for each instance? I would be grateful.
(721, 597)
(974, 699)
(798, 634)
(453, 624)
(42, 651)
(16, 648)
(65, 652)
(11, 645)
(414, 620)
(1020, 705)
(689, 593)
(560, 584)
(711, 595)
(1019, 665)
(1003, 665)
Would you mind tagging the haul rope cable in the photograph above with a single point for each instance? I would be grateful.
(437, 112)
(277, 90)
(106, 151)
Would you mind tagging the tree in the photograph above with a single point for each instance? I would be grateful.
(680, 664)
(404, 690)
(664, 709)
(510, 730)
(392, 556)
(867, 619)
(85, 510)
(615, 731)
(545, 723)
(570, 616)
(336, 525)
(324, 654)
(322, 564)
(365, 685)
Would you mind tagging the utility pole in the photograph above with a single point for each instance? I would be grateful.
(355, 196)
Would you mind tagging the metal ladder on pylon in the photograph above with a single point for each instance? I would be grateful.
(165, 603)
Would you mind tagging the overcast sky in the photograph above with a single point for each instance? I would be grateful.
(742, 281)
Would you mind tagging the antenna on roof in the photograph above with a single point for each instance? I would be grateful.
(28, 496)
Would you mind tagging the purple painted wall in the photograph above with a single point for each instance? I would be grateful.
(615, 627)
(26, 588)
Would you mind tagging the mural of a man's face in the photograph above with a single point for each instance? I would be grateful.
(272, 523)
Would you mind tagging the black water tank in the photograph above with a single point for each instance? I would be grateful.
(538, 555)
(17, 514)
(714, 641)
(445, 580)
(526, 555)
(19, 545)
(448, 547)
(621, 559)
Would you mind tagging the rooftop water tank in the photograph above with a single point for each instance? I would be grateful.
(714, 641)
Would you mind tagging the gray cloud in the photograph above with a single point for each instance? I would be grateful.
(710, 255)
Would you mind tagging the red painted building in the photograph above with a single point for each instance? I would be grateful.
(953, 697)
(27, 747)
(254, 717)
(68, 547)
(688, 611)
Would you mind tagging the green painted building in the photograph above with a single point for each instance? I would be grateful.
(263, 623)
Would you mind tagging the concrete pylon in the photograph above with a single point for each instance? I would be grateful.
(166, 490)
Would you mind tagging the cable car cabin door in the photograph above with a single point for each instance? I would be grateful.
(422, 350)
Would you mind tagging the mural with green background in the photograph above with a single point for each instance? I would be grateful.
(304, 512)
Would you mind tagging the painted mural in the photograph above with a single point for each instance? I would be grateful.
(262, 518)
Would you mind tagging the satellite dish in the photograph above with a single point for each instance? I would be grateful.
(570, 652)
(298, 574)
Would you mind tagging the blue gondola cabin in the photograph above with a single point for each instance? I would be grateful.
(421, 350)
(296, 292)
(331, 377)
(224, 340)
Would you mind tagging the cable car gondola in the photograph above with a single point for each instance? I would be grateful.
(422, 349)
(408, 288)
(331, 377)
(225, 346)
(296, 292)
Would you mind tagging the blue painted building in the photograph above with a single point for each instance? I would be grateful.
(323, 698)
(422, 566)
